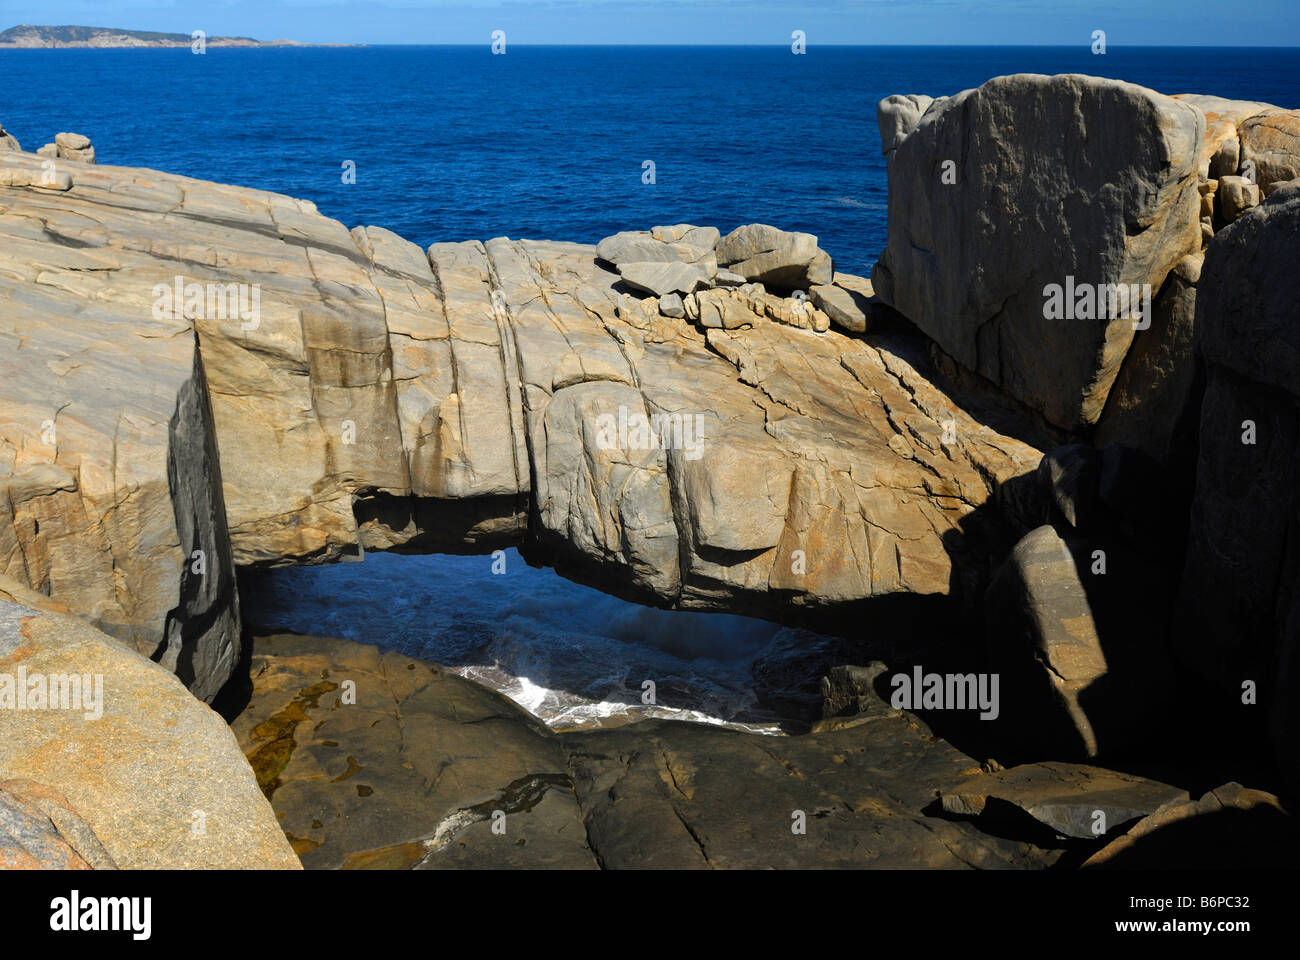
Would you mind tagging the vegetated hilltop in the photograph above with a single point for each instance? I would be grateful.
(30, 37)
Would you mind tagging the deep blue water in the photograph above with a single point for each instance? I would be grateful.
(569, 653)
(454, 143)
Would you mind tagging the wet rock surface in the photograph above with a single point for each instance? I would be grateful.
(411, 775)
(379, 761)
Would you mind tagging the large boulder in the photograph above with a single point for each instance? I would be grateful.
(848, 301)
(75, 147)
(7, 140)
(1029, 185)
(1150, 400)
(1221, 150)
(660, 278)
(1234, 196)
(378, 761)
(1271, 141)
(779, 259)
(129, 768)
(668, 260)
(1045, 640)
(1074, 800)
(1240, 606)
(1076, 628)
(897, 116)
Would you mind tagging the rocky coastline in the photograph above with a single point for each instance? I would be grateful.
(1053, 440)
(28, 37)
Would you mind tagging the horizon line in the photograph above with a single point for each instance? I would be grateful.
(285, 44)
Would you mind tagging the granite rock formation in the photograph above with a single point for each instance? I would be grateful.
(316, 392)
(195, 377)
(1102, 192)
(414, 770)
(1239, 623)
(107, 760)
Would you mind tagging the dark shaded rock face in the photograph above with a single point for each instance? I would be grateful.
(685, 796)
(1240, 606)
(1147, 404)
(1230, 827)
(422, 769)
(1070, 799)
(379, 761)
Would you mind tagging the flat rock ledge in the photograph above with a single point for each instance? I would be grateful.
(380, 761)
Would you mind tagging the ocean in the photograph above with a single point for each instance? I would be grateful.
(455, 143)
(569, 654)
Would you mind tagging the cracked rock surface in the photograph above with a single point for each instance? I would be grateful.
(411, 774)
(449, 399)
(379, 761)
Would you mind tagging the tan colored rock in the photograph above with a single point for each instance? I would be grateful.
(97, 424)
(1149, 399)
(383, 397)
(719, 309)
(1221, 151)
(776, 258)
(39, 830)
(1076, 624)
(1207, 190)
(75, 147)
(148, 776)
(664, 260)
(1271, 142)
(1235, 196)
(1074, 800)
(1039, 599)
(1228, 827)
(847, 301)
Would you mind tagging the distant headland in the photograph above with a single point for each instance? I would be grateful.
(28, 37)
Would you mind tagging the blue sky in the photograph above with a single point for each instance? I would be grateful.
(1064, 22)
